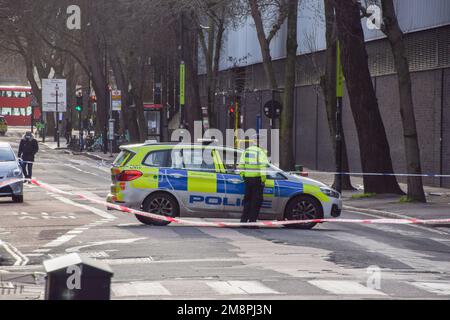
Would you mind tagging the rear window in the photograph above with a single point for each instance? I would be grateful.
(2, 120)
(123, 158)
(159, 159)
(6, 155)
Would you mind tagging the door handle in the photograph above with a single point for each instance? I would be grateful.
(235, 181)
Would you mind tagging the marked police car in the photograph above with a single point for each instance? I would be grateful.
(190, 180)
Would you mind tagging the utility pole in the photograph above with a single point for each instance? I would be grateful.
(105, 129)
(57, 116)
(339, 95)
(182, 73)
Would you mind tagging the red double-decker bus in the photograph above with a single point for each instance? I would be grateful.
(15, 105)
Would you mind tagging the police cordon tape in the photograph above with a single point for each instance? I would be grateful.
(425, 175)
(55, 190)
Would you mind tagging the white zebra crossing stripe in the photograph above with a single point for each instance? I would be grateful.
(134, 289)
(439, 288)
(344, 287)
(240, 287)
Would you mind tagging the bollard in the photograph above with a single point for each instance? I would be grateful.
(74, 277)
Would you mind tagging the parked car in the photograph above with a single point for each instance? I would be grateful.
(177, 181)
(10, 170)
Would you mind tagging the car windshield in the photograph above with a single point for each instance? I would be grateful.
(6, 155)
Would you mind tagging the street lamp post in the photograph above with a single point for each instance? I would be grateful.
(339, 133)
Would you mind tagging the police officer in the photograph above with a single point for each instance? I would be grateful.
(253, 165)
(27, 150)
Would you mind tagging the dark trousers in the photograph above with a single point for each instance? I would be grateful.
(27, 169)
(254, 195)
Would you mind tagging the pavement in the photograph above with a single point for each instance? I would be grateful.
(391, 206)
(332, 261)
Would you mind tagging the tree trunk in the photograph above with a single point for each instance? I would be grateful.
(328, 85)
(287, 116)
(193, 110)
(373, 143)
(129, 121)
(412, 151)
(264, 44)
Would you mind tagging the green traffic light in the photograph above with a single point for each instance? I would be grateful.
(78, 108)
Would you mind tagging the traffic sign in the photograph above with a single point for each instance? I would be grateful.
(49, 89)
(272, 109)
(116, 100)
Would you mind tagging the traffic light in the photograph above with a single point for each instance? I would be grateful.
(232, 110)
(79, 105)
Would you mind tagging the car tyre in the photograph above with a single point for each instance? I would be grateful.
(303, 207)
(161, 204)
(17, 199)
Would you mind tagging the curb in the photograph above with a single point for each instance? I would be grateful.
(88, 155)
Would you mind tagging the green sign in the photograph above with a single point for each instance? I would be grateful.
(182, 83)
(339, 73)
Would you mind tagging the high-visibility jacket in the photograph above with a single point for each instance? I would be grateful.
(254, 163)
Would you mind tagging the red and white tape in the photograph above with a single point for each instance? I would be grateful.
(237, 224)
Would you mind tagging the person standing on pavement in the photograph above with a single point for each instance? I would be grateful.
(27, 151)
(68, 131)
(253, 163)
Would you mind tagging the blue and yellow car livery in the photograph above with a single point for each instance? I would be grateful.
(189, 180)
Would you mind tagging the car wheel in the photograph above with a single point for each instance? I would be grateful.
(17, 199)
(161, 204)
(303, 208)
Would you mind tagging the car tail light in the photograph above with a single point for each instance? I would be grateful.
(129, 175)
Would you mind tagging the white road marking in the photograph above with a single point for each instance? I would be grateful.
(96, 211)
(417, 260)
(42, 250)
(59, 241)
(240, 287)
(344, 287)
(438, 288)
(125, 261)
(21, 259)
(134, 289)
(75, 232)
(100, 243)
(391, 214)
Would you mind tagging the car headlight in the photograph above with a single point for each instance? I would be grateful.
(15, 173)
(331, 193)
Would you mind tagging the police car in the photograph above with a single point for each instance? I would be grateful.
(190, 180)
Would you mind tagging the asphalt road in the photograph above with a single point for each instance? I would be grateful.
(332, 261)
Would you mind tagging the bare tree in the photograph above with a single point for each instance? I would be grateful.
(412, 151)
(374, 146)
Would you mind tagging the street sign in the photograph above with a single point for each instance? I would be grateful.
(339, 74)
(49, 89)
(116, 100)
(272, 109)
(182, 83)
(111, 129)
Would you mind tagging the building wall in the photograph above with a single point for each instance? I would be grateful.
(446, 128)
(428, 53)
(241, 45)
